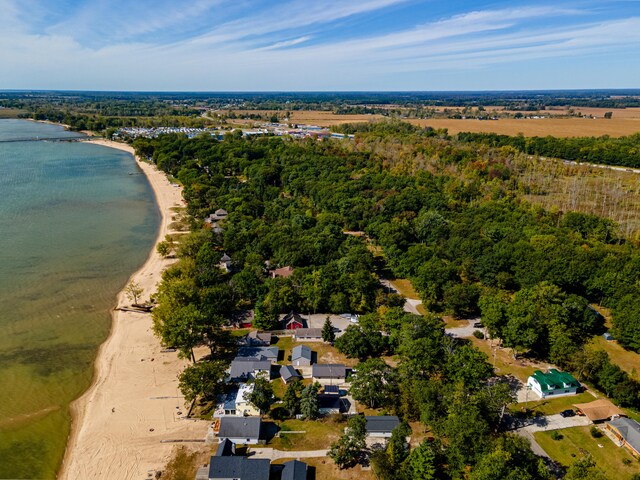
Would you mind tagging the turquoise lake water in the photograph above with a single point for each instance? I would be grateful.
(76, 220)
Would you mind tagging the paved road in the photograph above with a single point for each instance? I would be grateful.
(273, 454)
(410, 305)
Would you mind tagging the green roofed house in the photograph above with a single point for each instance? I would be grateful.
(553, 383)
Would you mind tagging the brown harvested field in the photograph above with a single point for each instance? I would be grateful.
(326, 119)
(539, 127)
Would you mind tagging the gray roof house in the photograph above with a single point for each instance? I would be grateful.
(627, 431)
(225, 263)
(238, 468)
(329, 404)
(308, 334)
(329, 374)
(301, 356)
(258, 339)
(240, 429)
(381, 426)
(294, 470)
(226, 448)
(259, 353)
(246, 368)
(289, 374)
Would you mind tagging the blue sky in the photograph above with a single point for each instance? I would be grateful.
(281, 45)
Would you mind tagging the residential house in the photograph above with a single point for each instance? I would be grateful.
(238, 468)
(294, 470)
(293, 321)
(289, 374)
(308, 334)
(219, 214)
(301, 356)
(258, 339)
(381, 426)
(599, 410)
(259, 353)
(226, 448)
(244, 408)
(243, 369)
(627, 432)
(240, 430)
(284, 272)
(329, 404)
(329, 374)
(553, 383)
(225, 263)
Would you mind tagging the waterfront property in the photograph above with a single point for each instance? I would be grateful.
(259, 353)
(240, 430)
(553, 383)
(243, 369)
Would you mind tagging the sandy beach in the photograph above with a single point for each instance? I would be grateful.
(134, 404)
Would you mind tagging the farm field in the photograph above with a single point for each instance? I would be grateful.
(539, 127)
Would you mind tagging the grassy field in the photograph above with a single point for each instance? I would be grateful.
(11, 112)
(551, 406)
(577, 442)
(504, 361)
(627, 360)
(540, 127)
(325, 469)
(404, 286)
(319, 434)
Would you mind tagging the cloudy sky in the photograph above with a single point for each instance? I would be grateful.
(281, 45)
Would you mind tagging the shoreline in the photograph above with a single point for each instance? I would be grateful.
(133, 405)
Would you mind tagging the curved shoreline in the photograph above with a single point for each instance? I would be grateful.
(133, 403)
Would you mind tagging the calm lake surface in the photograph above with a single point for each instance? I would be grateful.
(76, 220)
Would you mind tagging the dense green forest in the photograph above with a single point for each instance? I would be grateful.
(446, 214)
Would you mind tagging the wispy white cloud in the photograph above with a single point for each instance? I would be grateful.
(290, 45)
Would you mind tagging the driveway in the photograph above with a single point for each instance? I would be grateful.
(555, 422)
(410, 305)
(273, 454)
(465, 331)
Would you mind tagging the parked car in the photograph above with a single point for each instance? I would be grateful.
(567, 413)
(478, 325)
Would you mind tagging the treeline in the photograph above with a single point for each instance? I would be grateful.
(623, 151)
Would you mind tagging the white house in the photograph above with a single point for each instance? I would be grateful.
(553, 383)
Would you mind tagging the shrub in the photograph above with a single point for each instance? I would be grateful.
(478, 334)
(556, 435)
(595, 433)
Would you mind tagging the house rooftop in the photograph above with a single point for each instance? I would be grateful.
(294, 470)
(309, 333)
(240, 468)
(284, 272)
(287, 372)
(301, 351)
(554, 380)
(226, 448)
(239, 427)
(320, 370)
(241, 367)
(268, 353)
(382, 424)
(630, 431)
(329, 401)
